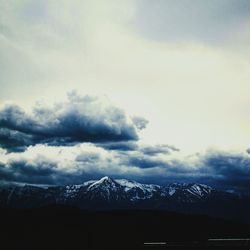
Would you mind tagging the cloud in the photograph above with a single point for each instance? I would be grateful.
(140, 122)
(158, 149)
(79, 119)
(30, 171)
(221, 169)
(192, 20)
(145, 162)
(14, 140)
(227, 169)
(43, 164)
(143, 148)
(59, 165)
(41, 170)
(119, 146)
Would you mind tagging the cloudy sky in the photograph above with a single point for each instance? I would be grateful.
(151, 90)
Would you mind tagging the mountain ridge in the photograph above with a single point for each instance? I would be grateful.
(108, 194)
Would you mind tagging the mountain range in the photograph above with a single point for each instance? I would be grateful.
(110, 194)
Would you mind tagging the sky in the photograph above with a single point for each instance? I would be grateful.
(152, 90)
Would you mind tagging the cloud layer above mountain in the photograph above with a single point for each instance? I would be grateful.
(79, 119)
(231, 170)
(58, 165)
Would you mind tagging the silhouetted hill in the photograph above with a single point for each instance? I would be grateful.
(65, 227)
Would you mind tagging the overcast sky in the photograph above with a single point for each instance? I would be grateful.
(172, 73)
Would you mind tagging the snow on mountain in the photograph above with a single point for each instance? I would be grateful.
(128, 184)
(200, 189)
(138, 191)
(87, 183)
(119, 191)
(72, 190)
(188, 192)
(171, 191)
(105, 188)
(106, 182)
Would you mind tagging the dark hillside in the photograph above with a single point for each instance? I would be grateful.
(61, 227)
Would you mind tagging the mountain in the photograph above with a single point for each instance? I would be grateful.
(107, 193)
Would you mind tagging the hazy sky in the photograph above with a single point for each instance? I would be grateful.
(184, 66)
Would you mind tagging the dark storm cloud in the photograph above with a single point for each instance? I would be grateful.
(158, 149)
(89, 157)
(14, 141)
(134, 146)
(23, 171)
(80, 119)
(120, 146)
(224, 170)
(228, 170)
(40, 171)
(210, 21)
(153, 160)
(145, 162)
(163, 170)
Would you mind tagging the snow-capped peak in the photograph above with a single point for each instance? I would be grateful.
(105, 182)
(105, 188)
(106, 179)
